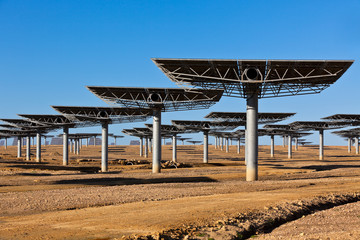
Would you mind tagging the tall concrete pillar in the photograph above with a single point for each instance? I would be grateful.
(87, 142)
(296, 144)
(349, 144)
(44, 140)
(227, 144)
(38, 147)
(272, 145)
(222, 143)
(104, 146)
(146, 147)
(321, 144)
(289, 146)
(94, 140)
(19, 147)
(66, 146)
(174, 154)
(216, 142)
(28, 146)
(238, 145)
(156, 167)
(284, 140)
(5, 143)
(252, 137)
(75, 146)
(78, 141)
(206, 147)
(246, 145)
(150, 145)
(141, 146)
(357, 145)
(71, 146)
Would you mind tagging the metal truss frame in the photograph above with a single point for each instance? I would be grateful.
(93, 115)
(276, 78)
(166, 99)
(207, 125)
(263, 118)
(317, 125)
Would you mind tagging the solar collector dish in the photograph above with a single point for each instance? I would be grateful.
(241, 116)
(166, 99)
(268, 78)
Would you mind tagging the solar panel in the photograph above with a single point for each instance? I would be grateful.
(273, 78)
(241, 116)
(166, 99)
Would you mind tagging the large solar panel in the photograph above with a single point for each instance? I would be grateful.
(47, 119)
(168, 99)
(104, 114)
(317, 125)
(207, 125)
(269, 78)
(241, 116)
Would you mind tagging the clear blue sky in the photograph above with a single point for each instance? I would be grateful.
(50, 50)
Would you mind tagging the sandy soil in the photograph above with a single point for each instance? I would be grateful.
(48, 201)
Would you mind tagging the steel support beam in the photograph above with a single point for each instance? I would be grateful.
(28, 146)
(141, 146)
(66, 146)
(19, 147)
(272, 145)
(227, 144)
(174, 153)
(206, 147)
(156, 167)
(146, 147)
(38, 147)
(104, 146)
(289, 146)
(238, 145)
(252, 137)
(321, 144)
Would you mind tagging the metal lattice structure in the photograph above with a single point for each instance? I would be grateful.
(50, 120)
(273, 78)
(104, 114)
(263, 118)
(317, 125)
(166, 99)
(207, 125)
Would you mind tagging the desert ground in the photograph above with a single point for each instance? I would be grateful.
(298, 198)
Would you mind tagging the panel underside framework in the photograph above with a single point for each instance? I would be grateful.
(277, 77)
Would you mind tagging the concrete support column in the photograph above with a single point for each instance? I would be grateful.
(272, 145)
(44, 141)
(284, 140)
(222, 143)
(5, 143)
(156, 167)
(357, 145)
(174, 154)
(66, 146)
(289, 146)
(104, 146)
(71, 146)
(206, 147)
(150, 145)
(141, 147)
(28, 146)
(38, 147)
(238, 145)
(227, 144)
(321, 144)
(296, 144)
(146, 147)
(19, 147)
(87, 142)
(252, 137)
(216, 142)
(349, 145)
(78, 146)
(95, 141)
(75, 146)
